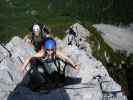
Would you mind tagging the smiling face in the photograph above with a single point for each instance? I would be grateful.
(50, 53)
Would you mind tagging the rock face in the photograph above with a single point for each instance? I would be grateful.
(95, 84)
(119, 38)
(3, 53)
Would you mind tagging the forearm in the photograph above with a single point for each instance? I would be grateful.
(37, 55)
(65, 58)
(75, 66)
(69, 61)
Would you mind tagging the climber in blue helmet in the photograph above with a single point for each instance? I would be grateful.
(49, 48)
(49, 58)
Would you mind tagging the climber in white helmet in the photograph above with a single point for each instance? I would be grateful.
(37, 36)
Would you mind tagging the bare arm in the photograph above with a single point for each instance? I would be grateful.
(37, 55)
(67, 59)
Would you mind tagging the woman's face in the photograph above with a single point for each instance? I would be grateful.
(37, 34)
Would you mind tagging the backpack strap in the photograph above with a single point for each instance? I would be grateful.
(42, 35)
(60, 69)
(32, 36)
(57, 64)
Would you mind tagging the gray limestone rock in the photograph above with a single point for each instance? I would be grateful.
(91, 82)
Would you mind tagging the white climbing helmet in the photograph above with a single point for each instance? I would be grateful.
(36, 28)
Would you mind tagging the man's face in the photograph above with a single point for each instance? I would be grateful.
(50, 53)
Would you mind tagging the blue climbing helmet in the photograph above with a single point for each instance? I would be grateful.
(49, 43)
